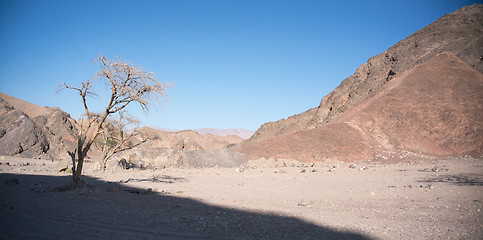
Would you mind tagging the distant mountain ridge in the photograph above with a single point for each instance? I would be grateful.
(243, 133)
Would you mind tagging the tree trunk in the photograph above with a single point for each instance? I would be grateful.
(103, 164)
(76, 175)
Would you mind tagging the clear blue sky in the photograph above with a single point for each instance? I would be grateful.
(233, 63)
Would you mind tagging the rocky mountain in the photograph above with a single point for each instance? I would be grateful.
(189, 140)
(433, 109)
(183, 149)
(460, 33)
(243, 133)
(28, 130)
(32, 131)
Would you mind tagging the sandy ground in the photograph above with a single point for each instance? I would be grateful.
(418, 200)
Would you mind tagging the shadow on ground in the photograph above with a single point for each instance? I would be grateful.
(42, 207)
(459, 179)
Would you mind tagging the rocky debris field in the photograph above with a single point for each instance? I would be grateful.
(263, 199)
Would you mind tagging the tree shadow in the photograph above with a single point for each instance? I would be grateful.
(157, 179)
(42, 207)
(458, 179)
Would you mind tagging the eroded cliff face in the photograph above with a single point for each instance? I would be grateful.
(460, 33)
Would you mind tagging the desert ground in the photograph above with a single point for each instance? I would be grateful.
(420, 199)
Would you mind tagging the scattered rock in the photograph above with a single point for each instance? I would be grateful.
(125, 164)
(39, 188)
(147, 191)
(305, 203)
(429, 186)
(113, 189)
(352, 166)
(435, 169)
(303, 170)
(62, 165)
(63, 188)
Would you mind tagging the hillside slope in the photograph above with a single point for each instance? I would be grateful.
(460, 33)
(433, 109)
(33, 131)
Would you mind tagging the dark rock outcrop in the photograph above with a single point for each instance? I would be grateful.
(32, 131)
(19, 135)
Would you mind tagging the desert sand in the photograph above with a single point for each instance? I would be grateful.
(422, 199)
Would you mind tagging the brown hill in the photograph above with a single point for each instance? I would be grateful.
(28, 130)
(460, 33)
(189, 140)
(433, 109)
(182, 149)
(243, 133)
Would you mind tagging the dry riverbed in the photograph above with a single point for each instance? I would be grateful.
(328, 200)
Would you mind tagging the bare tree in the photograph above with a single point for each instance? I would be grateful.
(115, 137)
(128, 84)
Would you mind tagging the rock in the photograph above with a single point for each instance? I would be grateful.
(63, 188)
(352, 166)
(19, 134)
(305, 203)
(113, 189)
(63, 165)
(123, 163)
(435, 169)
(97, 166)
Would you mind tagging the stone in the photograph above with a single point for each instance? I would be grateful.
(62, 165)
(305, 203)
(123, 163)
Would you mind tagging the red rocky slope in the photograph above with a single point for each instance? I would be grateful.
(435, 108)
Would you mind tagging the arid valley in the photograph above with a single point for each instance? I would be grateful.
(394, 152)
(426, 199)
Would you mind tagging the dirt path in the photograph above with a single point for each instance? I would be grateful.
(431, 200)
